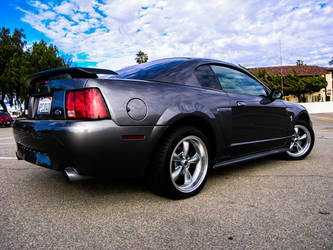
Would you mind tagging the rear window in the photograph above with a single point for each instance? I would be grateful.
(207, 77)
(3, 112)
(146, 71)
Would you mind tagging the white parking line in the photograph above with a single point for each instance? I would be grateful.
(7, 143)
(8, 158)
(6, 138)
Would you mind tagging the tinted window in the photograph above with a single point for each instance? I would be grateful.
(146, 71)
(3, 112)
(238, 82)
(206, 77)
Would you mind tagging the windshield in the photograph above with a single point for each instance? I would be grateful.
(3, 112)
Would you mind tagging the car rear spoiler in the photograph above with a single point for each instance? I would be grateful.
(74, 72)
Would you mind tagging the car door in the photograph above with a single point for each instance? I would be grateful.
(258, 122)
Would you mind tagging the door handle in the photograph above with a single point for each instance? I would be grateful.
(241, 104)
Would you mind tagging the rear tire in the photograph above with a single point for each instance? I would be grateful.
(302, 141)
(181, 163)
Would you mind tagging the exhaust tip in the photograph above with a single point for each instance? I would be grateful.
(72, 175)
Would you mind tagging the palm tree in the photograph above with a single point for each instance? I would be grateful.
(299, 62)
(141, 57)
(331, 62)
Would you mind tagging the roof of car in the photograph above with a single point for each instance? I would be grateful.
(175, 70)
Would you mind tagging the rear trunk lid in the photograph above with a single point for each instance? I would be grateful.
(47, 90)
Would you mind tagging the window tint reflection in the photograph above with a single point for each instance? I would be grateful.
(206, 77)
(238, 82)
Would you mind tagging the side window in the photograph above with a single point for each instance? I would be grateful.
(238, 82)
(206, 77)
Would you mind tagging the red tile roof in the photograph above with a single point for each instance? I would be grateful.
(303, 70)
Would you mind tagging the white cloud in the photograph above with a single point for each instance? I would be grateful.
(66, 8)
(243, 32)
(39, 5)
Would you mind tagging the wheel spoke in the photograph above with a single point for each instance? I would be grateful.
(299, 147)
(176, 157)
(292, 145)
(188, 164)
(187, 176)
(303, 137)
(186, 146)
(194, 159)
(176, 173)
(301, 141)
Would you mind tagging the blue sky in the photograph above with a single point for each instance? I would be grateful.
(108, 33)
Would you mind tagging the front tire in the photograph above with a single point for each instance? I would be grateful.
(302, 141)
(181, 163)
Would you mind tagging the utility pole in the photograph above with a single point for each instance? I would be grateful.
(281, 67)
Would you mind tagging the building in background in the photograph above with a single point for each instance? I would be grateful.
(305, 71)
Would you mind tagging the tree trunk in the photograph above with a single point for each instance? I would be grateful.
(2, 103)
(2, 67)
(299, 97)
(303, 98)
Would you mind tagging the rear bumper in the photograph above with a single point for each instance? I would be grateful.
(94, 148)
(6, 123)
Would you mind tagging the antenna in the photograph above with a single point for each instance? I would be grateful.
(281, 66)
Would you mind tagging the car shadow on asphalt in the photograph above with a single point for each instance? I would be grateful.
(125, 189)
(53, 187)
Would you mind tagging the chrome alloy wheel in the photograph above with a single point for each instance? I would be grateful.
(300, 142)
(189, 164)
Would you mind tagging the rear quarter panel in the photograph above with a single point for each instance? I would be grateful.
(166, 103)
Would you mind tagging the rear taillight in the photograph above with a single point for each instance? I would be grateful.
(85, 103)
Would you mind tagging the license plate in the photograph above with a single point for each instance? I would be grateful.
(44, 105)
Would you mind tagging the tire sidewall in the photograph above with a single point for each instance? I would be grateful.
(307, 125)
(176, 137)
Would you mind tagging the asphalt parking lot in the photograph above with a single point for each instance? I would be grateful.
(267, 203)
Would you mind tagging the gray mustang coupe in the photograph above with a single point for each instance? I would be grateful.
(169, 120)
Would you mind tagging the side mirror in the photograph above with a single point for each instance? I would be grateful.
(277, 94)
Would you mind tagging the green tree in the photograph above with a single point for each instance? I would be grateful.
(299, 86)
(314, 84)
(270, 80)
(42, 57)
(141, 57)
(11, 59)
(17, 63)
(293, 84)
